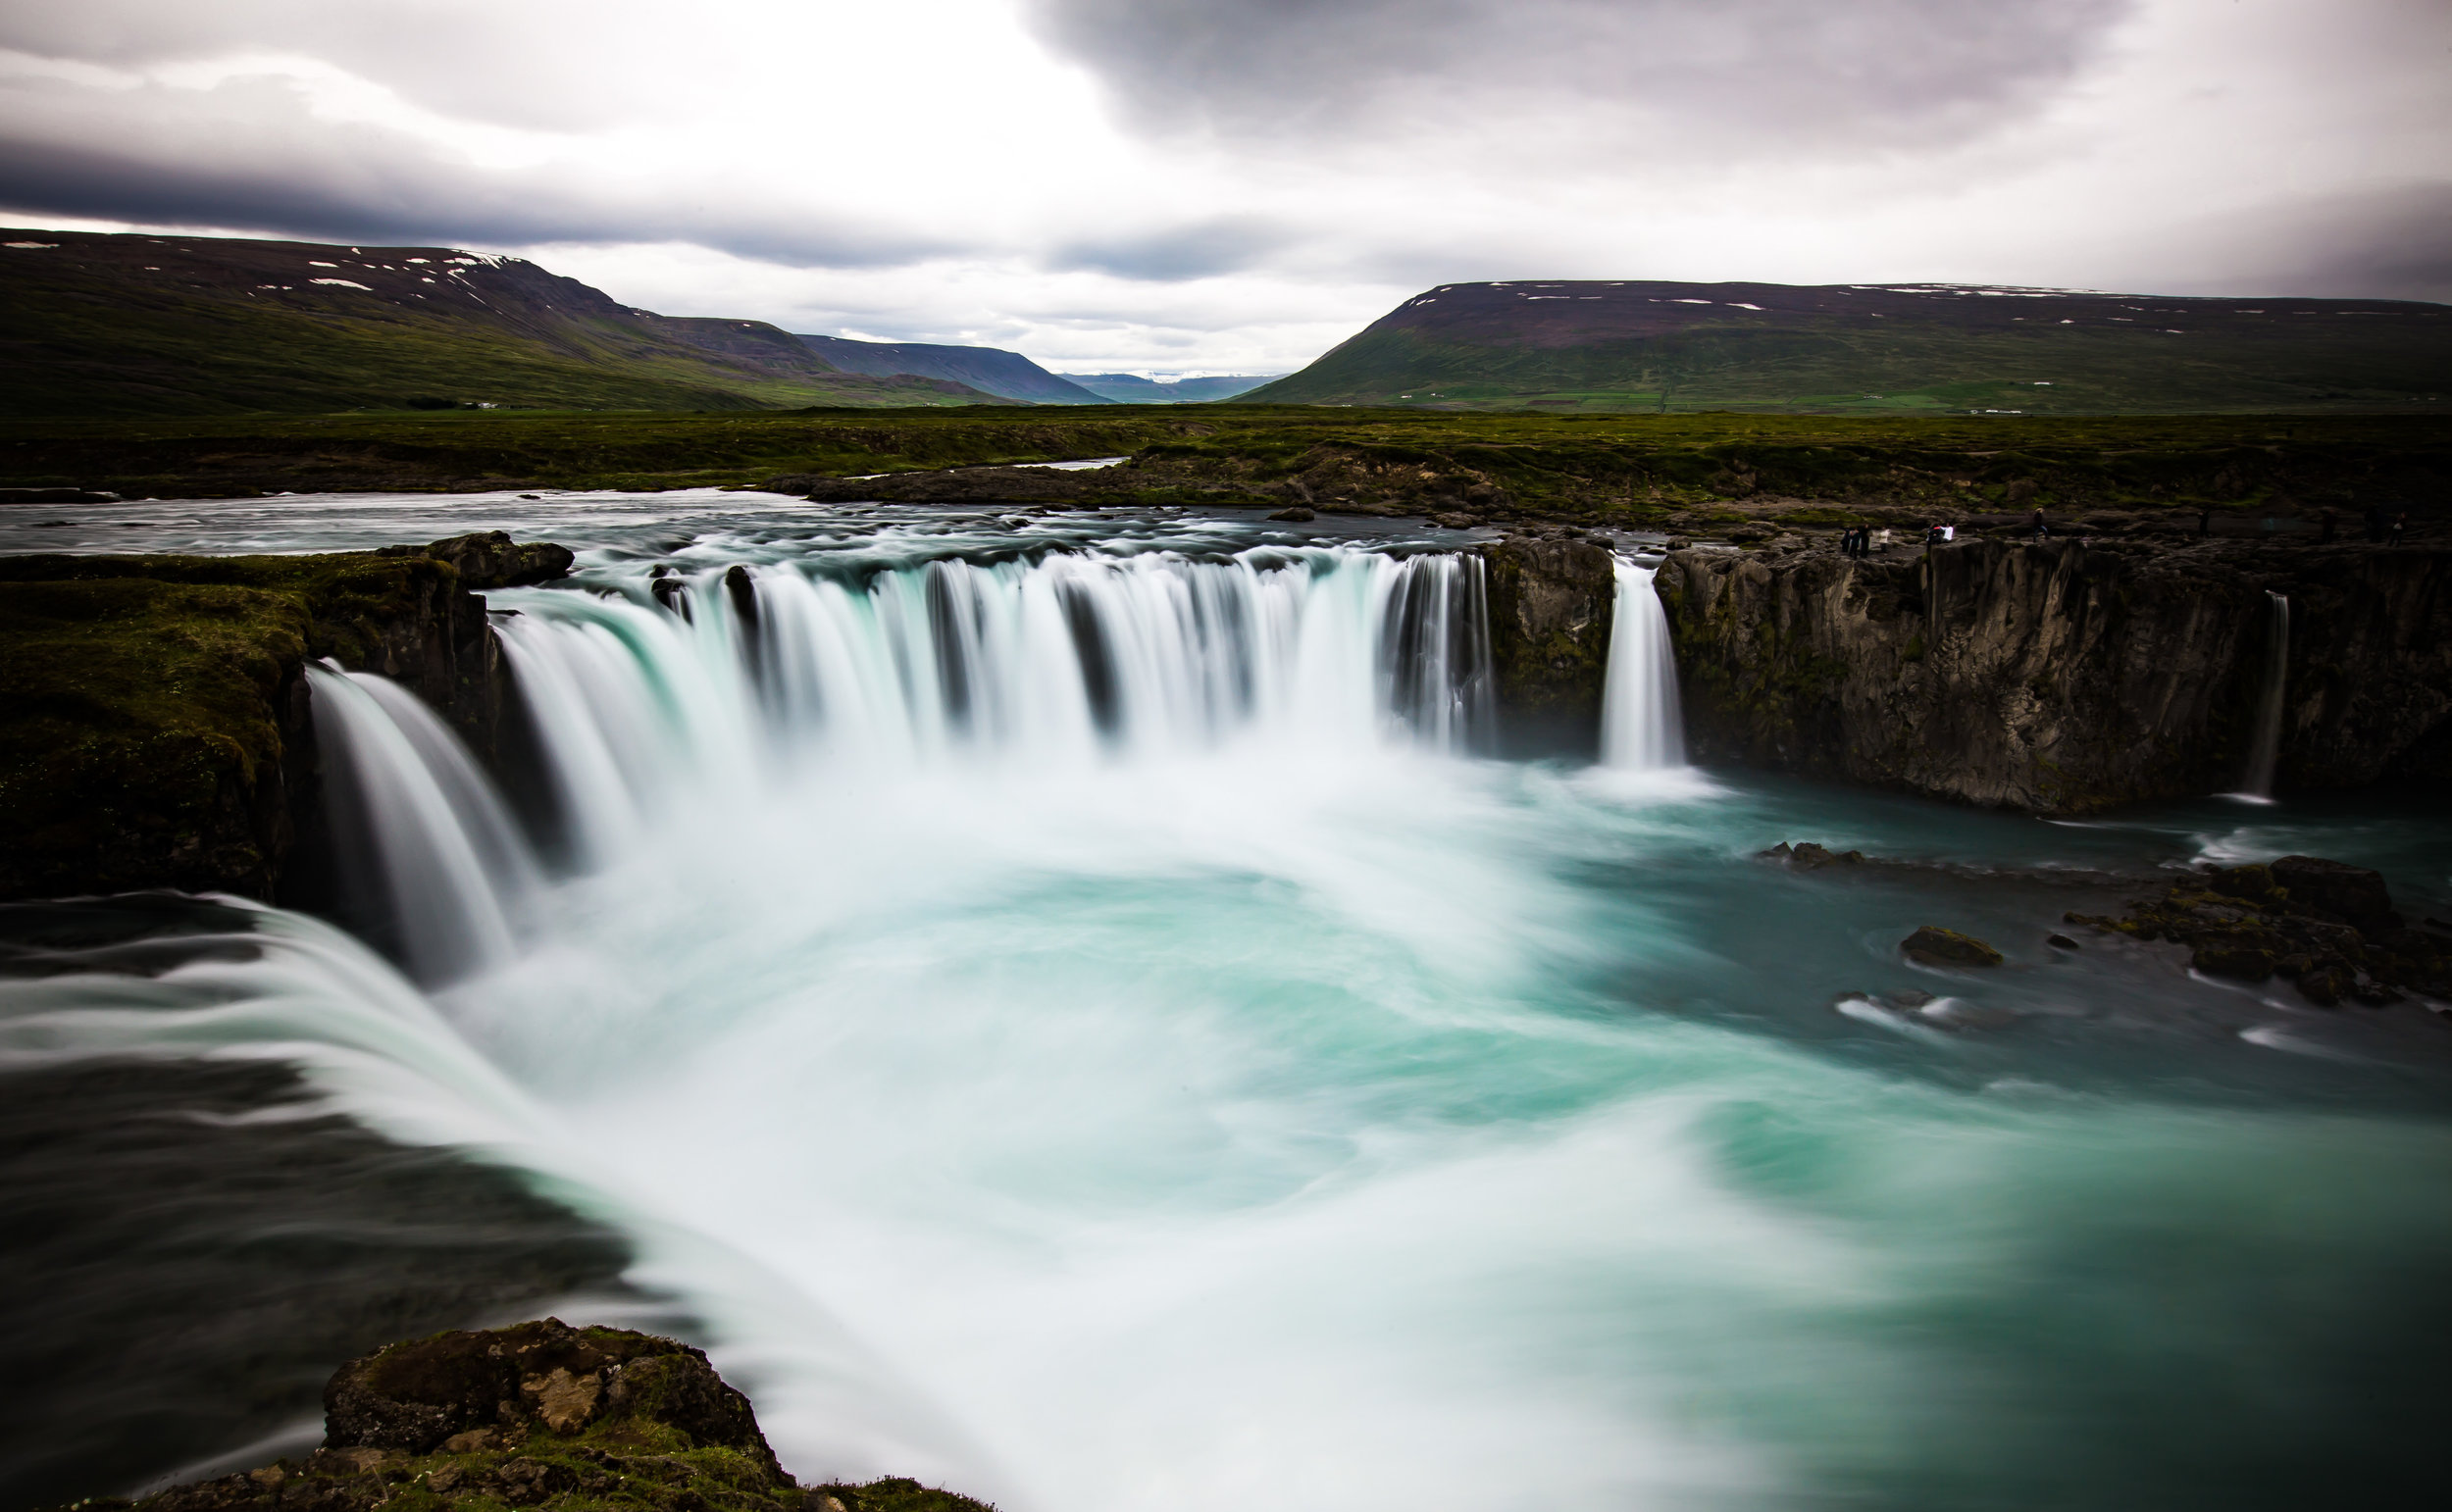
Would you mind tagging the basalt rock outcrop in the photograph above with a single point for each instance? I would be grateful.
(1553, 604)
(2062, 677)
(158, 731)
(2327, 926)
(541, 1415)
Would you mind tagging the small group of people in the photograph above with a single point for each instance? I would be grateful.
(2387, 533)
(1940, 534)
(1863, 540)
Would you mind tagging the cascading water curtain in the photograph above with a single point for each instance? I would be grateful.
(1065, 659)
(715, 681)
(2265, 745)
(433, 865)
(1641, 728)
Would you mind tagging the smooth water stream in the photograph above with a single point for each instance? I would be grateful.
(1063, 1006)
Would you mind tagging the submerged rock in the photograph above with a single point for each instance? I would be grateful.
(1806, 856)
(543, 1414)
(1934, 946)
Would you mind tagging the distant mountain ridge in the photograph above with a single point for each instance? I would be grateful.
(129, 324)
(1132, 388)
(1633, 346)
(984, 368)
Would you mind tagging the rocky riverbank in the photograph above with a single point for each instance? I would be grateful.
(158, 732)
(539, 1415)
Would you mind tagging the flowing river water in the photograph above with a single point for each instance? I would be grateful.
(1065, 1007)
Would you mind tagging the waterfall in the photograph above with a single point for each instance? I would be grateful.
(433, 862)
(2265, 748)
(706, 683)
(1640, 726)
(705, 680)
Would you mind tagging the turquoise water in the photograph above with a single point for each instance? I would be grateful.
(1298, 1108)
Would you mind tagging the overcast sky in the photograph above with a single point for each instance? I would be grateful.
(1235, 185)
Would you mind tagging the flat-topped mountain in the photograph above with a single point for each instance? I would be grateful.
(120, 325)
(1621, 345)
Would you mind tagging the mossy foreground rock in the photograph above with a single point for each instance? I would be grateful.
(544, 1416)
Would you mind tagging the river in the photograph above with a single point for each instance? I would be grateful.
(1063, 1006)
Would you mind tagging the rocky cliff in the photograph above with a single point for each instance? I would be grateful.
(1552, 603)
(158, 733)
(2062, 677)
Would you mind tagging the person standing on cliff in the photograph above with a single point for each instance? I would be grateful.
(2400, 523)
(2037, 527)
(2205, 521)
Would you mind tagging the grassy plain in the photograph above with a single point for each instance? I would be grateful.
(1587, 467)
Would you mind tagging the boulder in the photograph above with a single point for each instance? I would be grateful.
(1934, 946)
(1296, 513)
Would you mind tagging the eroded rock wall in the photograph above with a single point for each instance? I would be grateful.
(2059, 676)
(1553, 604)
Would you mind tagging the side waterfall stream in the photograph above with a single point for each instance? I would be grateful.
(1068, 1010)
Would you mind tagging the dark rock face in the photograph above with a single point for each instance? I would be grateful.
(2327, 925)
(2060, 678)
(1553, 604)
(1936, 946)
(160, 733)
(543, 1414)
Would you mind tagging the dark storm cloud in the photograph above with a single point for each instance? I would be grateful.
(246, 156)
(1727, 73)
(2386, 243)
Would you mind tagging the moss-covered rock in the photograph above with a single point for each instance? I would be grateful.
(1934, 946)
(543, 1415)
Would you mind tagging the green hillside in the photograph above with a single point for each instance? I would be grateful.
(1597, 347)
(138, 325)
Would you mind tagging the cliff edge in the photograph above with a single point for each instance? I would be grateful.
(2060, 677)
(157, 732)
